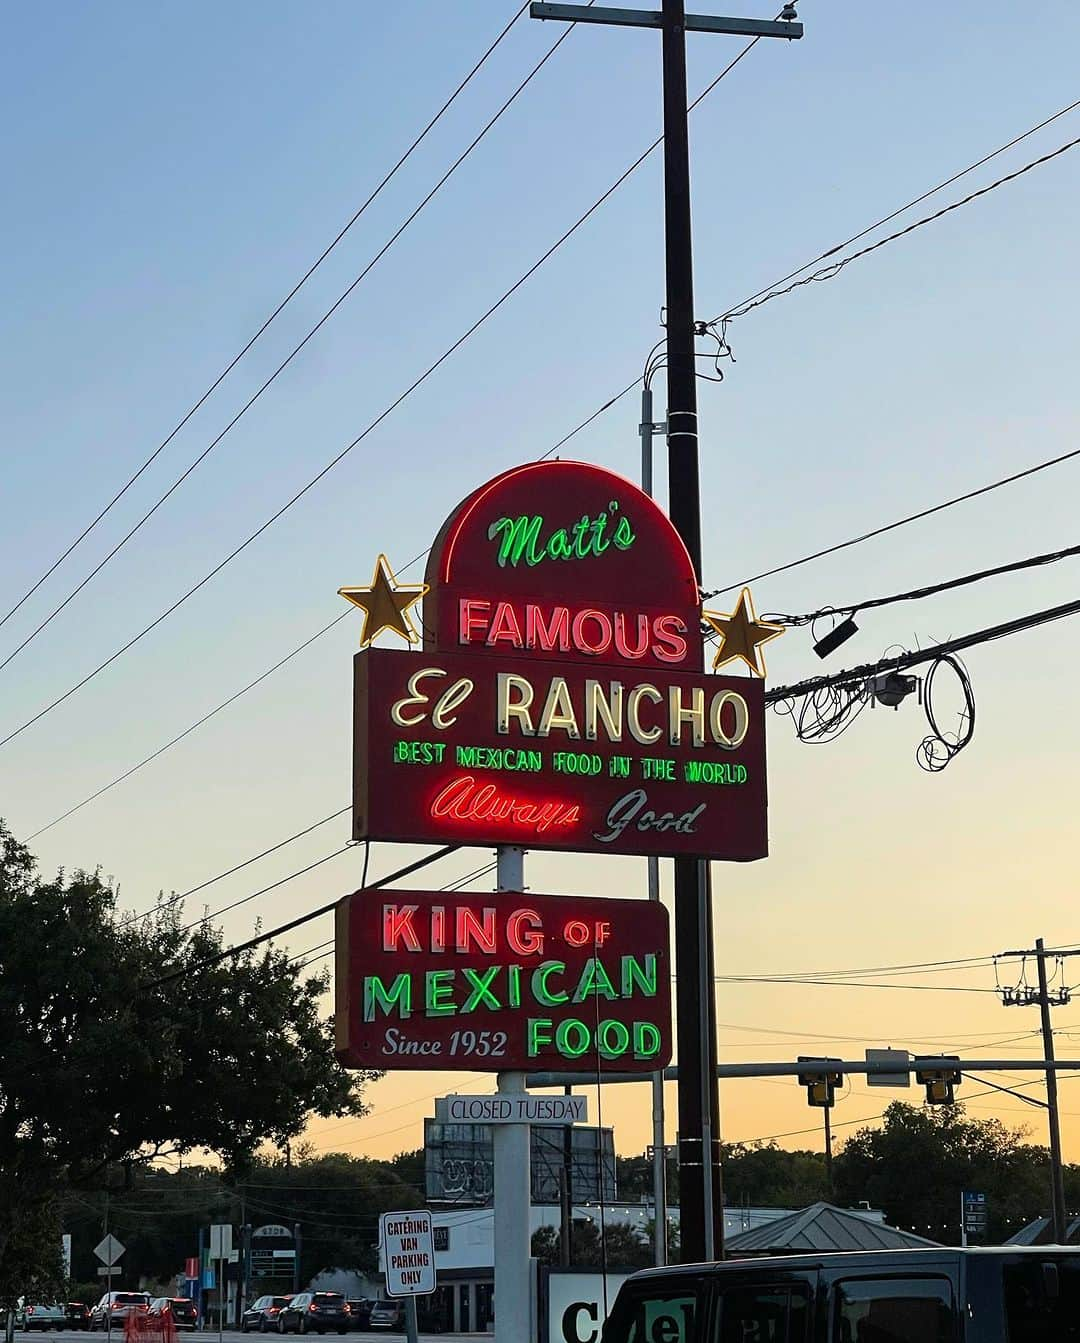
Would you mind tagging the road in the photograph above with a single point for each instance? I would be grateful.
(234, 1336)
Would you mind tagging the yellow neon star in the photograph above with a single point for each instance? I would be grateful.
(741, 635)
(385, 603)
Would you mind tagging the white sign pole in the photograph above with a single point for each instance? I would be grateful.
(513, 1294)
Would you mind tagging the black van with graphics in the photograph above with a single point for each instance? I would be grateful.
(999, 1295)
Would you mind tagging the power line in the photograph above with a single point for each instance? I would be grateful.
(969, 962)
(928, 654)
(277, 310)
(345, 615)
(330, 943)
(189, 730)
(299, 921)
(374, 424)
(903, 209)
(292, 354)
(831, 271)
(194, 890)
(847, 983)
(917, 594)
(900, 522)
(226, 909)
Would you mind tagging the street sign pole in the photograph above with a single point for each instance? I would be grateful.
(412, 1331)
(512, 1191)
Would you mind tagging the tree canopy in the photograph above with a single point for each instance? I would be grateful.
(917, 1165)
(123, 1040)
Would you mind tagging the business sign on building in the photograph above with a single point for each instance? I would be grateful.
(576, 1307)
(559, 699)
(440, 980)
(273, 1252)
(459, 1163)
(407, 1249)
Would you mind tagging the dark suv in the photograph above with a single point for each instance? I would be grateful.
(994, 1295)
(180, 1309)
(114, 1308)
(314, 1312)
(263, 1313)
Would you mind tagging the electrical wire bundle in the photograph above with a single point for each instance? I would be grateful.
(940, 747)
(825, 713)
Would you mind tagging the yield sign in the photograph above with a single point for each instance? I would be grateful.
(109, 1251)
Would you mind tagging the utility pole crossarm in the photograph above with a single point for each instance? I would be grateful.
(652, 18)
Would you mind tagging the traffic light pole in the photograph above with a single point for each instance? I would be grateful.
(701, 1201)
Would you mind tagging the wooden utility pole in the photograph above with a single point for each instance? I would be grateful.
(701, 1197)
(1023, 996)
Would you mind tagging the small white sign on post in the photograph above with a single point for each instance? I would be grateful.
(220, 1240)
(408, 1248)
(504, 1108)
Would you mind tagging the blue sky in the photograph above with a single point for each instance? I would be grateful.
(172, 171)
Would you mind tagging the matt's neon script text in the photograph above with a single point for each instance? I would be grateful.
(526, 538)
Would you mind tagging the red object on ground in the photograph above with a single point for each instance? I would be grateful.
(142, 1327)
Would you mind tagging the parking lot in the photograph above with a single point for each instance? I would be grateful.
(234, 1336)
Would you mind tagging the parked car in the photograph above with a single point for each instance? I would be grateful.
(314, 1312)
(76, 1315)
(985, 1295)
(117, 1306)
(387, 1315)
(184, 1312)
(360, 1312)
(37, 1315)
(263, 1313)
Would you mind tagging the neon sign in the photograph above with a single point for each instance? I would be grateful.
(560, 698)
(437, 980)
(590, 632)
(522, 538)
(464, 799)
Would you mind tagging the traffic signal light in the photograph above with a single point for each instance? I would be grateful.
(820, 1082)
(941, 1080)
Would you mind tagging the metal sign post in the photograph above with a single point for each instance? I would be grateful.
(512, 1191)
(221, 1250)
(408, 1255)
(108, 1250)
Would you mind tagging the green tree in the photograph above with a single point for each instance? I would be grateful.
(31, 1265)
(765, 1175)
(336, 1199)
(119, 1044)
(627, 1246)
(916, 1166)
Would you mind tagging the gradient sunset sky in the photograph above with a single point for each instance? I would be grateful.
(172, 171)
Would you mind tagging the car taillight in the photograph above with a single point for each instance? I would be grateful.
(313, 1306)
(272, 1310)
(347, 1308)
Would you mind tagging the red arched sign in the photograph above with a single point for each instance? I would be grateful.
(557, 559)
(559, 699)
